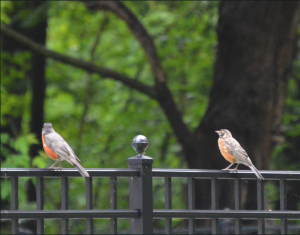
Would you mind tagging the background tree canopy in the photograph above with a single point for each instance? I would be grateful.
(175, 71)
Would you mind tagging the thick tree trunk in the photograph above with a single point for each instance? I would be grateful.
(36, 30)
(256, 41)
(38, 82)
(37, 33)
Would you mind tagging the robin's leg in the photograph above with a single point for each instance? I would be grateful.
(53, 164)
(60, 167)
(226, 169)
(235, 169)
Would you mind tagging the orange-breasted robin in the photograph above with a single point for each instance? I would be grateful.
(233, 152)
(58, 149)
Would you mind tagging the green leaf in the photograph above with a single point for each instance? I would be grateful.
(23, 143)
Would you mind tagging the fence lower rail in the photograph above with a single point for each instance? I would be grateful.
(70, 214)
(181, 214)
(225, 214)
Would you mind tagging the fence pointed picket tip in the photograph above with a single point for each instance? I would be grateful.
(140, 144)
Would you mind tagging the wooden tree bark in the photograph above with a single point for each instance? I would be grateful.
(38, 82)
(36, 30)
(38, 87)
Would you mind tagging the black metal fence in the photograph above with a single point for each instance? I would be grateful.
(141, 212)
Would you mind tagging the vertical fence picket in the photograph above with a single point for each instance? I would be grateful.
(89, 204)
(191, 204)
(113, 204)
(283, 205)
(214, 204)
(40, 203)
(64, 203)
(14, 204)
(168, 203)
(237, 205)
(260, 205)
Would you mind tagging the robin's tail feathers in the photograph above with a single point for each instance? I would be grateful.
(81, 170)
(256, 172)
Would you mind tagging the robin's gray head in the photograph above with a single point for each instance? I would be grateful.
(47, 129)
(223, 133)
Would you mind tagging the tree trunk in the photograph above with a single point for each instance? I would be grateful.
(38, 82)
(35, 28)
(37, 32)
(256, 45)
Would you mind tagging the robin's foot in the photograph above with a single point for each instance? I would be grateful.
(226, 169)
(234, 170)
(55, 168)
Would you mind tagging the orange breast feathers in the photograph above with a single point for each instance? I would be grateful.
(48, 151)
(225, 153)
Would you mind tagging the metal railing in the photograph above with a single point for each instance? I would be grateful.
(141, 212)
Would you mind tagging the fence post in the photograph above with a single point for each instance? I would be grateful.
(140, 188)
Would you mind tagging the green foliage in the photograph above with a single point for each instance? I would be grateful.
(21, 145)
(15, 100)
(116, 114)
(6, 8)
(17, 156)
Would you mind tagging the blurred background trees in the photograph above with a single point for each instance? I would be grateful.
(172, 71)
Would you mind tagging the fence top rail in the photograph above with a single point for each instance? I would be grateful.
(67, 172)
(241, 174)
(128, 172)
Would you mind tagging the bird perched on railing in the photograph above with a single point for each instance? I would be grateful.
(233, 152)
(58, 149)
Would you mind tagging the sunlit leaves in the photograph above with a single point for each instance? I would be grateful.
(41, 160)
(21, 145)
(6, 8)
(59, 104)
(14, 98)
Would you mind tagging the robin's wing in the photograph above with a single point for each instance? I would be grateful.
(236, 150)
(58, 145)
(72, 154)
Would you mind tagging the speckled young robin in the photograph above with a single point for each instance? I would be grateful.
(58, 149)
(233, 152)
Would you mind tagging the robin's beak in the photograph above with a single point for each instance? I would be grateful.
(218, 132)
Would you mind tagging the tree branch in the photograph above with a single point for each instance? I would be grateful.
(89, 85)
(164, 95)
(90, 67)
(137, 29)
